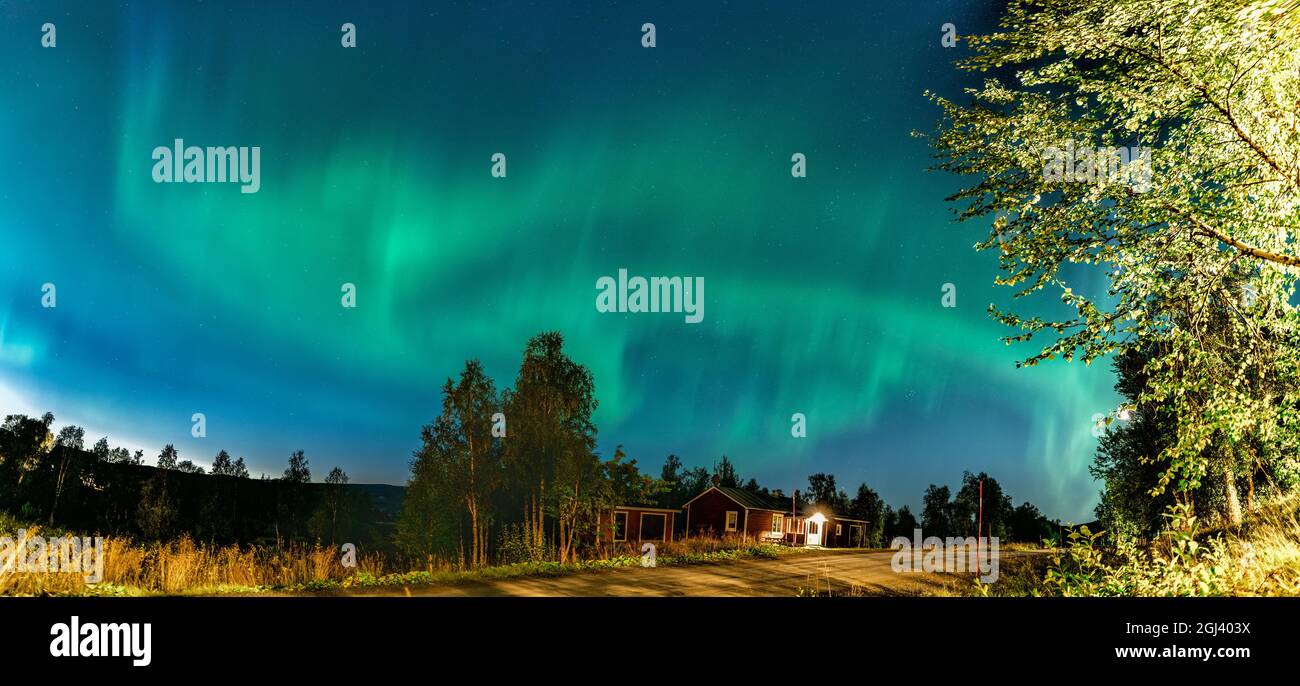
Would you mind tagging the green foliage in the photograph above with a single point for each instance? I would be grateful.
(1181, 567)
(168, 458)
(1200, 265)
(156, 514)
(298, 470)
(868, 506)
(515, 546)
(936, 511)
(223, 466)
(725, 474)
(823, 491)
(966, 507)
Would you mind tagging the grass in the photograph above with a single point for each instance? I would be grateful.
(673, 554)
(1260, 558)
(186, 567)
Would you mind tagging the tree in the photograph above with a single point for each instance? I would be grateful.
(24, 443)
(966, 506)
(156, 513)
(724, 474)
(221, 464)
(694, 482)
(1027, 525)
(461, 439)
(298, 471)
(626, 484)
(553, 438)
(1125, 461)
(890, 518)
(291, 492)
(335, 499)
(72, 437)
(70, 441)
(868, 506)
(102, 452)
(936, 511)
(167, 459)
(672, 469)
(673, 477)
(901, 524)
(220, 512)
(1195, 239)
(428, 524)
(823, 491)
(188, 467)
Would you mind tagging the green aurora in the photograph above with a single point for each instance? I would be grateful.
(823, 293)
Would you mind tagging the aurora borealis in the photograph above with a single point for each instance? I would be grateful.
(823, 293)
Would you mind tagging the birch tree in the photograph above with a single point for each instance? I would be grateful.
(1153, 144)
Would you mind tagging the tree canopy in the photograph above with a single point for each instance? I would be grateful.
(1193, 236)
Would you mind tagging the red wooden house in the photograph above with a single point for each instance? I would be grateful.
(722, 511)
(637, 523)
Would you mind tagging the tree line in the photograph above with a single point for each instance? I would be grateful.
(500, 476)
(513, 475)
(51, 478)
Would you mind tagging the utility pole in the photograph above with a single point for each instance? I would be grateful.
(979, 533)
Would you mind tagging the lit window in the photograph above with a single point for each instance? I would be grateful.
(837, 529)
(778, 524)
(732, 518)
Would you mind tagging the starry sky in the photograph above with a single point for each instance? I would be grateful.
(823, 294)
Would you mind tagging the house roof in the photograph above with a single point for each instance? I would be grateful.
(748, 499)
(754, 501)
(758, 501)
(646, 508)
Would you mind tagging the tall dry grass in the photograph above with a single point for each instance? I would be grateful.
(1260, 558)
(184, 566)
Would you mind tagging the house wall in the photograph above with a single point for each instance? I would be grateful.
(760, 521)
(845, 538)
(606, 524)
(643, 517)
(707, 515)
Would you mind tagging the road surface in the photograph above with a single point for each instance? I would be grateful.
(840, 571)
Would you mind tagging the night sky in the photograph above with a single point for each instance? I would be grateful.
(823, 294)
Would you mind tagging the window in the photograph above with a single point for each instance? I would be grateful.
(732, 517)
(778, 523)
(653, 526)
(838, 529)
(620, 526)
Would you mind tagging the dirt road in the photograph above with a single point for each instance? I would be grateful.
(838, 570)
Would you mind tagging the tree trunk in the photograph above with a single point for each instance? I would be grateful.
(541, 515)
(1233, 503)
(58, 487)
(473, 532)
(1250, 493)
